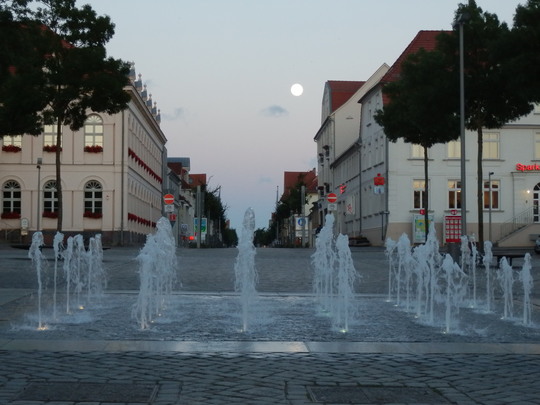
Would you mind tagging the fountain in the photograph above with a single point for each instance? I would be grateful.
(323, 262)
(527, 281)
(486, 260)
(455, 289)
(244, 267)
(157, 274)
(39, 261)
(334, 276)
(505, 275)
(58, 254)
(346, 278)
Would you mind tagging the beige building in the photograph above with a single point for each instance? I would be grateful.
(113, 174)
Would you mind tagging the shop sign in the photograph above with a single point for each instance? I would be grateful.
(527, 168)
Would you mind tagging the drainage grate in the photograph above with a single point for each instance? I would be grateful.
(374, 395)
(88, 392)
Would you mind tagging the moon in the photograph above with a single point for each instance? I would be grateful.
(297, 89)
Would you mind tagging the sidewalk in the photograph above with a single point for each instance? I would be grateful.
(383, 370)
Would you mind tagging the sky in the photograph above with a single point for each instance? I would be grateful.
(221, 73)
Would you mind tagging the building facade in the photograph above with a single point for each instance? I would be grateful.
(113, 172)
(392, 182)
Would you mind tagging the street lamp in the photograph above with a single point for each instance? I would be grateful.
(490, 204)
(39, 163)
(462, 19)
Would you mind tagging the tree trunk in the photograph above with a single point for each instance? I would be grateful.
(425, 199)
(58, 175)
(480, 191)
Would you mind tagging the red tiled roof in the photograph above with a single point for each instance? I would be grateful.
(176, 167)
(291, 179)
(423, 40)
(198, 179)
(341, 91)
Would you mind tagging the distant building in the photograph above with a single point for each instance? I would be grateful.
(300, 225)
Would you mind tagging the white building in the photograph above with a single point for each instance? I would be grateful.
(511, 184)
(113, 172)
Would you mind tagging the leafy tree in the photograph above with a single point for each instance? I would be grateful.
(421, 107)
(492, 96)
(524, 47)
(75, 75)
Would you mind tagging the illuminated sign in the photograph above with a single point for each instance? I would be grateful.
(527, 168)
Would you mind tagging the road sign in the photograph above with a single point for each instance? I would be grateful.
(169, 208)
(168, 199)
(332, 198)
(332, 207)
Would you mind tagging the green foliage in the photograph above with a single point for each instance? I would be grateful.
(422, 102)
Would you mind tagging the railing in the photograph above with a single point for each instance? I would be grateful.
(521, 220)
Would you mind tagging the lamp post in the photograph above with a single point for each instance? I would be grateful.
(490, 204)
(39, 163)
(462, 19)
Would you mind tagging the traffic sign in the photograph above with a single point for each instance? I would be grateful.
(168, 199)
(332, 198)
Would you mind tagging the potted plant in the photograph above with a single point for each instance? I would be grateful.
(11, 215)
(11, 148)
(50, 214)
(93, 148)
(50, 148)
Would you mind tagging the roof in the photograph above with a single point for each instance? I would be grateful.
(423, 40)
(341, 92)
(291, 179)
(197, 179)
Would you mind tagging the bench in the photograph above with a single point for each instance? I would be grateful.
(510, 253)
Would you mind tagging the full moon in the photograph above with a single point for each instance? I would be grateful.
(297, 89)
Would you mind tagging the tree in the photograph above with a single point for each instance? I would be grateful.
(75, 76)
(492, 95)
(524, 47)
(21, 73)
(421, 107)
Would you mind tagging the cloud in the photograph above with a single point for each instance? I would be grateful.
(263, 180)
(274, 111)
(177, 114)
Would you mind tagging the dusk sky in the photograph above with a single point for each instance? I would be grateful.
(221, 73)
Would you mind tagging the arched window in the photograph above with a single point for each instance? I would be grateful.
(50, 198)
(93, 198)
(93, 131)
(11, 199)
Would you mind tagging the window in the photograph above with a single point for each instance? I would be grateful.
(418, 194)
(49, 135)
(93, 198)
(491, 196)
(13, 140)
(537, 145)
(454, 149)
(93, 131)
(490, 147)
(454, 194)
(11, 198)
(50, 197)
(417, 151)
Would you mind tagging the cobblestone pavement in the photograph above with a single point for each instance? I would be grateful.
(69, 372)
